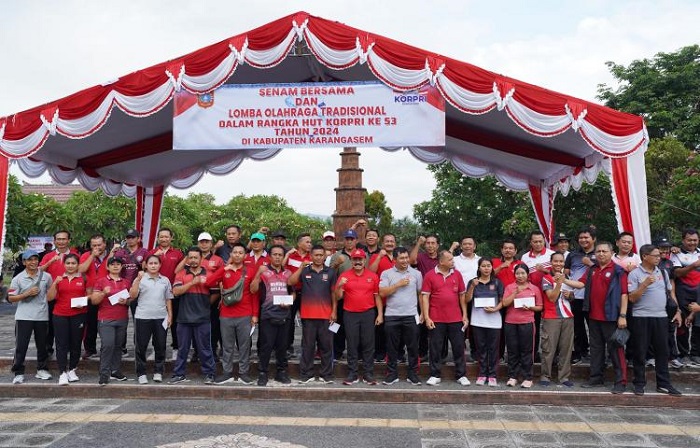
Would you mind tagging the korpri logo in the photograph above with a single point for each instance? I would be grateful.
(411, 98)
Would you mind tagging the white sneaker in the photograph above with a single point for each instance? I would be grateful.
(63, 379)
(433, 381)
(43, 375)
(18, 379)
(464, 381)
(157, 377)
(143, 379)
(72, 376)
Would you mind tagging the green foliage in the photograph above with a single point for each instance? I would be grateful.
(406, 231)
(680, 206)
(665, 90)
(379, 214)
(591, 205)
(95, 212)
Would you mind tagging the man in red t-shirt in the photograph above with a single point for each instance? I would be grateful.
(445, 315)
(606, 302)
(362, 311)
(294, 260)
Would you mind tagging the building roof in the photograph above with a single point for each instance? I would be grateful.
(60, 193)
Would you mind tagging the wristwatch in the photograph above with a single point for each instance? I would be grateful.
(623, 315)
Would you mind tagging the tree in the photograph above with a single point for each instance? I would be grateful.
(95, 212)
(379, 213)
(680, 206)
(665, 90)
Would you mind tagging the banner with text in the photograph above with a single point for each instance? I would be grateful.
(308, 115)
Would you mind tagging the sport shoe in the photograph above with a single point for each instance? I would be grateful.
(480, 381)
(325, 380)
(592, 384)
(282, 377)
(63, 379)
(18, 379)
(104, 380)
(369, 380)
(694, 361)
(72, 376)
(493, 382)
(209, 379)
(512, 382)
(651, 362)
(618, 389)
(545, 383)
(670, 390)
(43, 375)
(118, 376)
(157, 377)
(526, 384)
(262, 379)
(174, 355)
(143, 379)
(391, 379)
(567, 383)
(175, 379)
(638, 390)
(463, 381)
(245, 379)
(413, 379)
(676, 364)
(225, 379)
(306, 380)
(350, 380)
(433, 381)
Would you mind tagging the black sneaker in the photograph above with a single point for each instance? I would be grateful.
(118, 376)
(639, 390)
(125, 351)
(592, 384)
(619, 388)
(391, 379)
(575, 361)
(178, 379)
(308, 380)
(413, 379)
(245, 379)
(325, 380)
(350, 380)
(104, 380)
(209, 379)
(262, 379)
(369, 380)
(282, 377)
(670, 390)
(224, 379)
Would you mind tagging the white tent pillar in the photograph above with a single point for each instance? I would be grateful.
(149, 202)
(542, 199)
(629, 191)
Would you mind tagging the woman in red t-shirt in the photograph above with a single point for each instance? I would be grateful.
(68, 318)
(521, 300)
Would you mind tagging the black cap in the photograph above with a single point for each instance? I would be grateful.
(663, 242)
(115, 260)
(132, 233)
(561, 237)
(279, 234)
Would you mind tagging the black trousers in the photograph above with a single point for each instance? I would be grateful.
(69, 334)
(687, 345)
(290, 331)
(600, 332)
(438, 336)
(487, 341)
(315, 333)
(520, 341)
(273, 336)
(175, 302)
(400, 331)
(339, 337)
(23, 333)
(359, 330)
(90, 341)
(650, 331)
(215, 325)
(49, 335)
(145, 331)
(581, 346)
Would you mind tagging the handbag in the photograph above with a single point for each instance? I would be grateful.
(234, 294)
(620, 337)
(671, 305)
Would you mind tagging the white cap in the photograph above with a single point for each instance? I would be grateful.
(328, 233)
(205, 236)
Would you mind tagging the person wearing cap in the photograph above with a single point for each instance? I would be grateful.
(112, 317)
(329, 245)
(279, 238)
(257, 256)
(52, 263)
(93, 265)
(561, 244)
(341, 262)
(444, 311)
(28, 290)
(294, 259)
(170, 257)
(362, 311)
(211, 263)
(274, 318)
(233, 237)
(133, 255)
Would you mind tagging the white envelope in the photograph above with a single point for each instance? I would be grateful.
(165, 323)
(483, 302)
(115, 298)
(417, 316)
(283, 300)
(252, 329)
(77, 302)
(334, 327)
(293, 262)
(524, 301)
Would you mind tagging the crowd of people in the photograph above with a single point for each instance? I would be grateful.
(372, 301)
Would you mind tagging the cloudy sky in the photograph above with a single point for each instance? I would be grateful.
(51, 49)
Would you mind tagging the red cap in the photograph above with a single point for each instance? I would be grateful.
(358, 253)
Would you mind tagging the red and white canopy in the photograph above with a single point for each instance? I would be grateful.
(118, 136)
